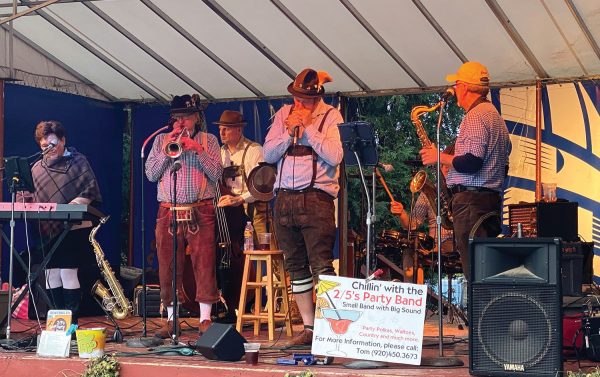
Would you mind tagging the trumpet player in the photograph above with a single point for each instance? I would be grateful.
(195, 156)
(478, 166)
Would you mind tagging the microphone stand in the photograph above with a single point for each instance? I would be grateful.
(14, 180)
(369, 219)
(144, 341)
(440, 360)
(174, 170)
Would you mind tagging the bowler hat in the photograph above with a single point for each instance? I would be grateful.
(309, 83)
(231, 118)
(261, 181)
(185, 104)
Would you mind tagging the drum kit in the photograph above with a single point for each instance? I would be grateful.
(394, 243)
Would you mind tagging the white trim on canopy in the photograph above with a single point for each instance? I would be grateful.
(150, 50)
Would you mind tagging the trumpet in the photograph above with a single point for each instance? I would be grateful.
(173, 149)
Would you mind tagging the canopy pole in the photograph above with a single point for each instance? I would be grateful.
(538, 141)
(27, 11)
(1, 147)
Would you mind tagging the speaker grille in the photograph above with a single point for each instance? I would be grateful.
(515, 327)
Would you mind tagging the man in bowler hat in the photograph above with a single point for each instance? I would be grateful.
(198, 170)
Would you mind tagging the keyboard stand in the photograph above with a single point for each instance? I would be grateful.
(34, 275)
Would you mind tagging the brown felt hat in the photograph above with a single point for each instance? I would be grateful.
(309, 83)
(231, 118)
(261, 181)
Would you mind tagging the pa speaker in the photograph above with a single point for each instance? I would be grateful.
(221, 342)
(515, 307)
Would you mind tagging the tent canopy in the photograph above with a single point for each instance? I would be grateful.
(150, 50)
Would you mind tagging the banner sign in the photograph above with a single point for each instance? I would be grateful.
(369, 320)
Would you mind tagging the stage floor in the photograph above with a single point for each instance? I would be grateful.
(24, 362)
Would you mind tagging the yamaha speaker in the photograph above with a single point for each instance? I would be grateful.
(515, 307)
(221, 342)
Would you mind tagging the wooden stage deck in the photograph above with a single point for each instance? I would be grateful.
(22, 363)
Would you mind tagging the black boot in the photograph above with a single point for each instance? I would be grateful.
(56, 297)
(72, 302)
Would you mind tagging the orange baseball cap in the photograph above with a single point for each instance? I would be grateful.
(472, 73)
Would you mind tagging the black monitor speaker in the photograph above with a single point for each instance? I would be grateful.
(515, 307)
(221, 342)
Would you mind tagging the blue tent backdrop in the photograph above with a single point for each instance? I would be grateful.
(95, 128)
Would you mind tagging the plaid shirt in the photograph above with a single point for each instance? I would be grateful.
(198, 174)
(60, 180)
(483, 133)
(297, 171)
(422, 212)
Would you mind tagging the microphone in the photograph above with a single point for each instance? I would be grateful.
(385, 167)
(48, 148)
(296, 131)
(450, 92)
(176, 166)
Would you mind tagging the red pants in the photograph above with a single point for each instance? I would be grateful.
(199, 234)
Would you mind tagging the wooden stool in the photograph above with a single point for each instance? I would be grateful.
(272, 285)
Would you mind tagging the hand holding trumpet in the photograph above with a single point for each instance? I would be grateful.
(178, 141)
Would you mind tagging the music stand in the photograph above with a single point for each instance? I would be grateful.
(17, 168)
(360, 149)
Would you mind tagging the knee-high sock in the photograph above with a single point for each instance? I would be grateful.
(205, 311)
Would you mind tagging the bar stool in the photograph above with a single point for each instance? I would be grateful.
(273, 284)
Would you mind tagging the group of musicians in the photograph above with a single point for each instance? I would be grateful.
(304, 143)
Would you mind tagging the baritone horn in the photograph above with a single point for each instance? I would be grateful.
(173, 149)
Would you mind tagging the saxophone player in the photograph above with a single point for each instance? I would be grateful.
(422, 213)
(63, 176)
(198, 165)
(479, 164)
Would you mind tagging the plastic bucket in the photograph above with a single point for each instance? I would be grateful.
(90, 342)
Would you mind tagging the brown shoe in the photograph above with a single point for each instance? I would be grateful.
(166, 331)
(204, 325)
(305, 338)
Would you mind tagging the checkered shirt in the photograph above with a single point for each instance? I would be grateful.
(197, 171)
(483, 133)
(422, 212)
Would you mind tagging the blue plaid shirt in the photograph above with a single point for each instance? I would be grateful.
(482, 133)
(198, 174)
(423, 212)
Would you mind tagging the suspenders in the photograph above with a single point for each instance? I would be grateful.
(302, 150)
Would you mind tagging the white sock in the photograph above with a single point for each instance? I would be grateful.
(169, 313)
(205, 311)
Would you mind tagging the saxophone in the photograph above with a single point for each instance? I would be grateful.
(420, 181)
(117, 303)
